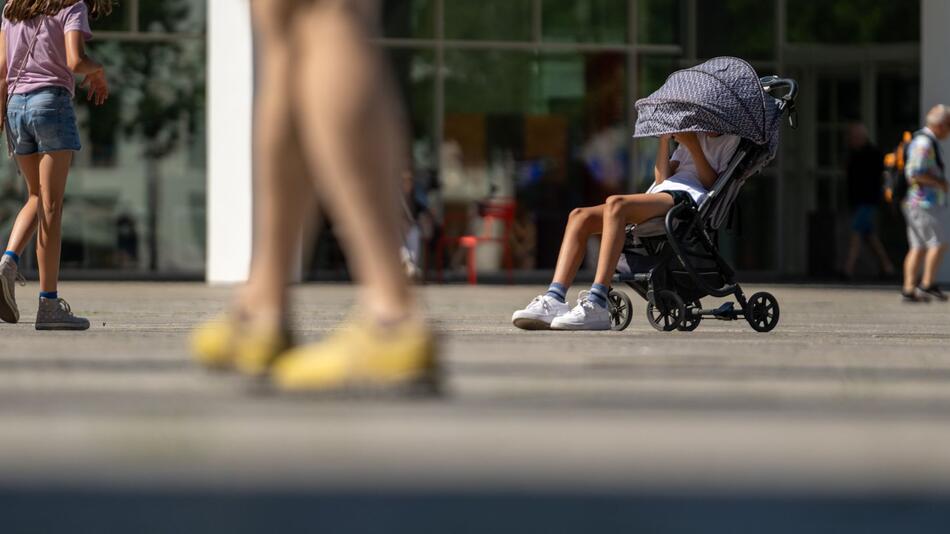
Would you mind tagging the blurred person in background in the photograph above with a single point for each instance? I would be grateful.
(42, 47)
(326, 122)
(865, 171)
(421, 224)
(925, 208)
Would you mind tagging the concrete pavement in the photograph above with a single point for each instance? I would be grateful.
(846, 404)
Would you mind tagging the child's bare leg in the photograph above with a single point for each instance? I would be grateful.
(352, 134)
(23, 229)
(619, 211)
(282, 190)
(53, 171)
(26, 221)
(581, 224)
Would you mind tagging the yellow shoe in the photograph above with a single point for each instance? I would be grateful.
(363, 357)
(228, 343)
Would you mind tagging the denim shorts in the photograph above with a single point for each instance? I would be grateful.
(42, 121)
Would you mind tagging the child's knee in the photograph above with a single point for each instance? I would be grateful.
(583, 221)
(52, 209)
(614, 207)
(579, 215)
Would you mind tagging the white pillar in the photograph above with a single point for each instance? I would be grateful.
(935, 70)
(230, 99)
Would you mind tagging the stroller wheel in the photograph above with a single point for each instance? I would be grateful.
(668, 313)
(762, 312)
(620, 310)
(691, 322)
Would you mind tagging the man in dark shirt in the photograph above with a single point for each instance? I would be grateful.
(865, 171)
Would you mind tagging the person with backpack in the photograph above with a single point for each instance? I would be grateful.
(925, 207)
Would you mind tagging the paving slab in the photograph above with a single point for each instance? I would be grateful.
(846, 403)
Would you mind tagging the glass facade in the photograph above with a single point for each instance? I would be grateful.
(135, 199)
(527, 101)
(531, 101)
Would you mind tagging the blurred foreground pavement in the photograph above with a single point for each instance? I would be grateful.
(839, 421)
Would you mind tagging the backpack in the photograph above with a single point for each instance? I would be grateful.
(897, 186)
(895, 189)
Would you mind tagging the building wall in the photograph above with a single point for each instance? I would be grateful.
(534, 99)
(230, 100)
(935, 86)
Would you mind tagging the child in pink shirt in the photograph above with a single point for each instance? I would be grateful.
(42, 47)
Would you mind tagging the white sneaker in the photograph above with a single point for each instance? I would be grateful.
(539, 313)
(585, 316)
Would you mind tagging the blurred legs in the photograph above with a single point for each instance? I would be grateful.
(282, 191)
(886, 265)
(353, 139)
(932, 265)
(854, 250)
(326, 112)
(911, 267)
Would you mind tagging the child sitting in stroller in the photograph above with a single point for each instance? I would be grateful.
(691, 171)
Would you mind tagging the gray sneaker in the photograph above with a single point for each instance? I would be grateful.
(55, 314)
(9, 276)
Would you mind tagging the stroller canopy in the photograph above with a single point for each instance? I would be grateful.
(723, 95)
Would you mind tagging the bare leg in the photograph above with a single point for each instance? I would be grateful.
(621, 210)
(932, 265)
(581, 224)
(26, 221)
(854, 248)
(911, 266)
(53, 169)
(352, 134)
(282, 190)
(886, 265)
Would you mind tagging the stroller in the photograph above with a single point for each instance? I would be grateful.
(673, 261)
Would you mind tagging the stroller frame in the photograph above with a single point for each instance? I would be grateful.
(674, 260)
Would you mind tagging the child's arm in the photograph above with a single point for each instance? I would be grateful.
(707, 175)
(95, 80)
(76, 56)
(662, 169)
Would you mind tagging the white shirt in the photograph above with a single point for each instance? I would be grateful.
(718, 151)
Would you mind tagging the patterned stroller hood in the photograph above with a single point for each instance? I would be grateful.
(723, 95)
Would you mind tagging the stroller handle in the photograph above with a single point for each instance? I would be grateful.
(769, 83)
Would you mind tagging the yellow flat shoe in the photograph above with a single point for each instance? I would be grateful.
(226, 343)
(363, 357)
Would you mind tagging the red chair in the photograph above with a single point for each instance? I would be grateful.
(491, 211)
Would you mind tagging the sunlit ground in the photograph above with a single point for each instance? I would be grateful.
(835, 422)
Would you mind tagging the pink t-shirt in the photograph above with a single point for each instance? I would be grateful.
(46, 66)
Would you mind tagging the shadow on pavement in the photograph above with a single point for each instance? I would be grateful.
(233, 512)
